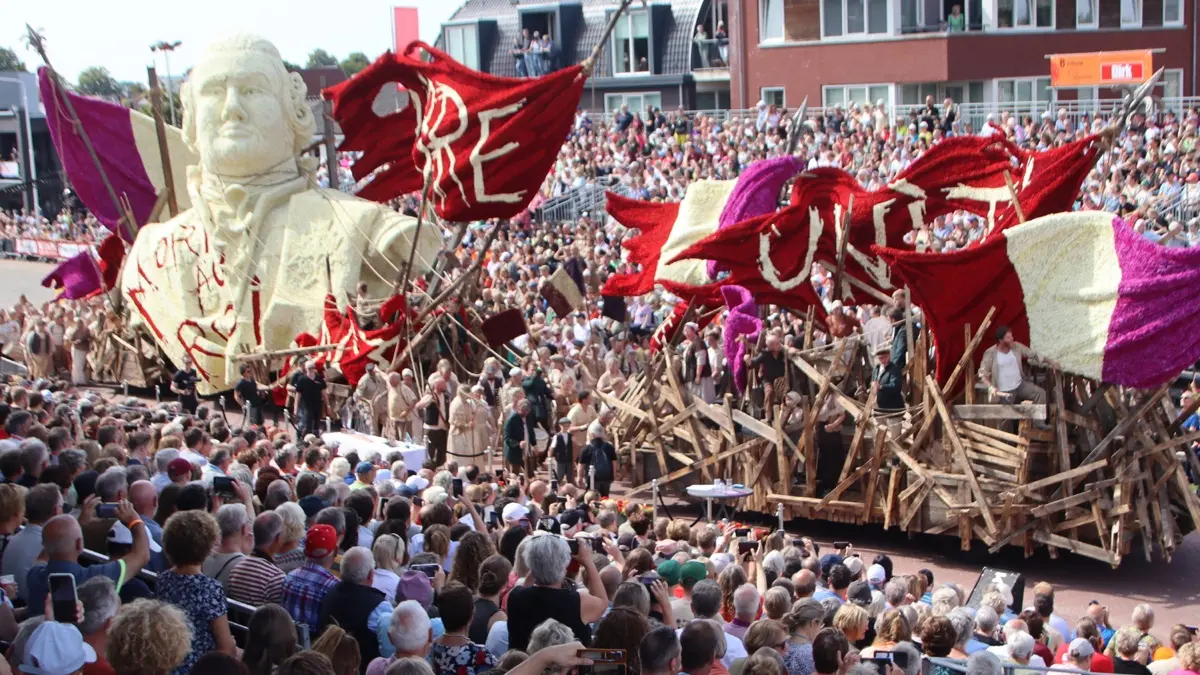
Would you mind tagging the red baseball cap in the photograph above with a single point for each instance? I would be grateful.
(320, 541)
(178, 467)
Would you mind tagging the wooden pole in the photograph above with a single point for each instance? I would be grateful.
(164, 152)
(844, 229)
(36, 41)
(454, 285)
(417, 234)
(1012, 191)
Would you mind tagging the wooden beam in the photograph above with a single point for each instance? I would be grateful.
(812, 501)
(1063, 504)
(1001, 411)
(708, 461)
(859, 430)
(873, 475)
(1074, 546)
(1056, 479)
(956, 443)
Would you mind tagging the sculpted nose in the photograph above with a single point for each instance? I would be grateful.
(233, 106)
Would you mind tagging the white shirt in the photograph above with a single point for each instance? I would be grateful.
(195, 458)
(386, 581)
(1002, 652)
(1008, 373)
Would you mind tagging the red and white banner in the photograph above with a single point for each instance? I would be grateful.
(50, 248)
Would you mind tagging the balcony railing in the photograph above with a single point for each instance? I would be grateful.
(710, 53)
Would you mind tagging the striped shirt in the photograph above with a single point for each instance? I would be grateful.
(303, 591)
(256, 581)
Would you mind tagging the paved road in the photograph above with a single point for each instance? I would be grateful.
(1173, 589)
(21, 277)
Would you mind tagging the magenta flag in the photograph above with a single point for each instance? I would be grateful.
(76, 277)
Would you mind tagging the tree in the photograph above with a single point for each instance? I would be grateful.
(96, 81)
(9, 61)
(291, 67)
(320, 57)
(354, 63)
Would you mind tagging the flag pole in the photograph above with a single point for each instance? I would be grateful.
(36, 41)
(164, 152)
(590, 61)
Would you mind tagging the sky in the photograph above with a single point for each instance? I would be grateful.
(117, 34)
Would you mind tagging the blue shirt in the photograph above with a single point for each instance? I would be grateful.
(37, 582)
(823, 594)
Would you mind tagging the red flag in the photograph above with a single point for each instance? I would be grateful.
(1050, 181)
(486, 142)
(771, 252)
(112, 254)
(357, 347)
(665, 333)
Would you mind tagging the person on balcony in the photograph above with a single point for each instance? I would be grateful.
(702, 45)
(722, 42)
(519, 50)
(956, 21)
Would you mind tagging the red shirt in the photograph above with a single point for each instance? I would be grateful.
(100, 667)
(1100, 662)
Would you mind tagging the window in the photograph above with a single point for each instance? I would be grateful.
(631, 43)
(1131, 12)
(636, 102)
(462, 43)
(1085, 14)
(854, 93)
(853, 17)
(770, 20)
(773, 96)
(1172, 12)
(1025, 13)
(1024, 96)
(959, 92)
(1173, 84)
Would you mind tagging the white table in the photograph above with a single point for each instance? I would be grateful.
(719, 492)
(349, 441)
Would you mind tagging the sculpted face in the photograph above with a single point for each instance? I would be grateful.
(241, 127)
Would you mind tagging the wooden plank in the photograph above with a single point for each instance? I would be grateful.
(914, 504)
(873, 474)
(707, 461)
(986, 453)
(1001, 411)
(968, 353)
(956, 443)
(1081, 470)
(660, 451)
(810, 433)
(681, 458)
(1080, 421)
(1124, 424)
(811, 501)
(1076, 522)
(995, 446)
(889, 504)
(1063, 504)
(1074, 546)
(666, 425)
(997, 434)
(842, 486)
(1060, 431)
(622, 406)
(1094, 400)
(860, 430)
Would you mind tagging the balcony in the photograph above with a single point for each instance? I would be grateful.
(710, 59)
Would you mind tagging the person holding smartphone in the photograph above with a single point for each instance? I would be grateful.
(62, 539)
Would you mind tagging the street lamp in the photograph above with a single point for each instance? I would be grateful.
(166, 48)
(27, 146)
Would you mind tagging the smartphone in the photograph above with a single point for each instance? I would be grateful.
(63, 598)
(430, 569)
(457, 487)
(383, 507)
(107, 510)
(900, 659)
(742, 532)
(553, 485)
(494, 520)
(223, 486)
(747, 547)
(649, 578)
(418, 502)
(546, 524)
(573, 545)
(562, 500)
(841, 544)
(602, 654)
(604, 662)
(879, 664)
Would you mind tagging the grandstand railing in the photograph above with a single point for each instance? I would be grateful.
(960, 666)
(572, 204)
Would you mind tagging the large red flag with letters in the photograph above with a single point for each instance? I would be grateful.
(485, 142)
(1049, 181)
(775, 252)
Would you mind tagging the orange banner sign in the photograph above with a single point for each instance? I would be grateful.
(1095, 69)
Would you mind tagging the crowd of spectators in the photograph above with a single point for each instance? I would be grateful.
(359, 563)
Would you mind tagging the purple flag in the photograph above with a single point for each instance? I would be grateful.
(126, 143)
(741, 320)
(75, 278)
(756, 194)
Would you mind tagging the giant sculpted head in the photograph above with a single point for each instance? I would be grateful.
(243, 112)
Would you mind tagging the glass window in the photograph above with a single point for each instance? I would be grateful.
(1173, 81)
(462, 44)
(876, 93)
(975, 92)
(908, 15)
(773, 96)
(1085, 13)
(771, 20)
(855, 20)
(832, 19)
(877, 16)
(1045, 13)
(834, 96)
(1007, 91)
(631, 43)
(1172, 12)
(636, 102)
(1131, 12)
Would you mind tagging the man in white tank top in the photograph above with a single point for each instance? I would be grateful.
(1003, 371)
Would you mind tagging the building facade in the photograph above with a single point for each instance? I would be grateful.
(839, 52)
(663, 55)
